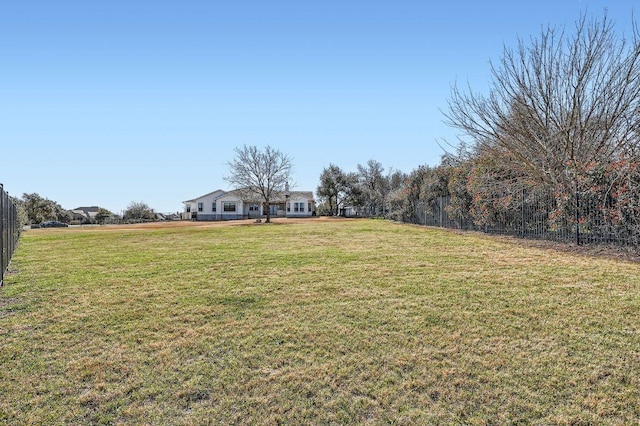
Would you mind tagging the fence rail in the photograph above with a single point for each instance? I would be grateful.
(579, 219)
(9, 231)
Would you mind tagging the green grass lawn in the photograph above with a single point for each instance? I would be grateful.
(320, 322)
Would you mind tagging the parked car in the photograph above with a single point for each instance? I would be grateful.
(53, 224)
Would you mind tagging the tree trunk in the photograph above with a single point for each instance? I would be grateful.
(268, 212)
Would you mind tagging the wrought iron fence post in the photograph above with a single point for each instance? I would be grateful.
(3, 267)
(523, 215)
(9, 231)
(577, 216)
(15, 230)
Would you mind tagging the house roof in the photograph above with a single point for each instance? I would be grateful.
(277, 198)
(242, 194)
(301, 194)
(204, 196)
(233, 193)
(91, 209)
(87, 212)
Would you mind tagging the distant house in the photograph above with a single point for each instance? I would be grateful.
(168, 216)
(238, 204)
(85, 215)
(89, 215)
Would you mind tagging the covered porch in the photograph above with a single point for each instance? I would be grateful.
(257, 210)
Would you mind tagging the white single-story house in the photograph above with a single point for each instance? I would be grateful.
(237, 204)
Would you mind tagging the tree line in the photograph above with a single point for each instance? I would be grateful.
(35, 209)
(562, 116)
(366, 192)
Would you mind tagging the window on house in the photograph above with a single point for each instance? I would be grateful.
(253, 208)
(288, 207)
(188, 208)
(296, 207)
(229, 207)
(309, 207)
(213, 206)
(200, 207)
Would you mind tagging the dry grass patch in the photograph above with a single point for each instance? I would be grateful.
(314, 322)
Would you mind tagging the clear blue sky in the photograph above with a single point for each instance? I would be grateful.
(105, 103)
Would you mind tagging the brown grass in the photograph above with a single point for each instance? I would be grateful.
(314, 322)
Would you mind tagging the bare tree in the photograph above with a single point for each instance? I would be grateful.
(261, 174)
(557, 103)
(138, 211)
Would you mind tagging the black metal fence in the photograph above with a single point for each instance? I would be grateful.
(9, 231)
(577, 218)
